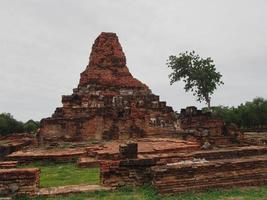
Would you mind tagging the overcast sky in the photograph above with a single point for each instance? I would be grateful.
(45, 45)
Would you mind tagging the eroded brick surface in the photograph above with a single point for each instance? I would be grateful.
(201, 174)
(109, 103)
(204, 128)
(186, 171)
(19, 181)
(15, 142)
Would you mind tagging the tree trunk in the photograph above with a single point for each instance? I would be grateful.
(209, 104)
(208, 101)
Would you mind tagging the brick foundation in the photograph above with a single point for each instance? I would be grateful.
(19, 181)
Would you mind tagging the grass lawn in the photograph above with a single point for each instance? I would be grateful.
(65, 174)
(147, 193)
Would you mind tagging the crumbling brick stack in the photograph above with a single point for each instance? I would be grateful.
(19, 181)
(128, 150)
(208, 130)
(129, 170)
(109, 103)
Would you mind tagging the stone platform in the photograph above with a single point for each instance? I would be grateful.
(51, 155)
(214, 154)
(170, 165)
(110, 150)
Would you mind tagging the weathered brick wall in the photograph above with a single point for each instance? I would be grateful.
(179, 172)
(203, 127)
(19, 181)
(130, 172)
(8, 164)
(200, 175)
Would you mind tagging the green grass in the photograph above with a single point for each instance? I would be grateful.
(65, 174)
(147, 193)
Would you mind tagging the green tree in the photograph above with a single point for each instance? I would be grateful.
(250, 115)
(9, 125)
(199, 74)
(31, 126)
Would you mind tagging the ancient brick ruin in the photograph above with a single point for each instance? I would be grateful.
(135, 143)
(109, 103)
(207, 129)
(15, 142)
(188, 170)
(19, 181)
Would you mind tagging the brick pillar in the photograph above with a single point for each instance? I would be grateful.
(128, 150)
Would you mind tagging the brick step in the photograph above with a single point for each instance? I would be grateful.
(259, 174)
(87, 162)
(211, 166)
(231, 184)
(185, 176)
(222, 153)
(8, 164)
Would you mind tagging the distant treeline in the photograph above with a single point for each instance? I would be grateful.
(9, 125)
(251, 115)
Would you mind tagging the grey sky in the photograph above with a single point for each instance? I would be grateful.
(45, 45)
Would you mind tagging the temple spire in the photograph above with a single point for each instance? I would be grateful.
(107, 51)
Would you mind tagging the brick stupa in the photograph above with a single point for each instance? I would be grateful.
(109, 103)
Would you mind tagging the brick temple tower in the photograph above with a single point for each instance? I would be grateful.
(109, 103)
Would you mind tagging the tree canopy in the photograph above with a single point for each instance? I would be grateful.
(9, 125)
(250, 115)
(198, 74)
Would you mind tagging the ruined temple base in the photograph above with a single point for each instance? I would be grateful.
(171, 173)
(169, 165)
